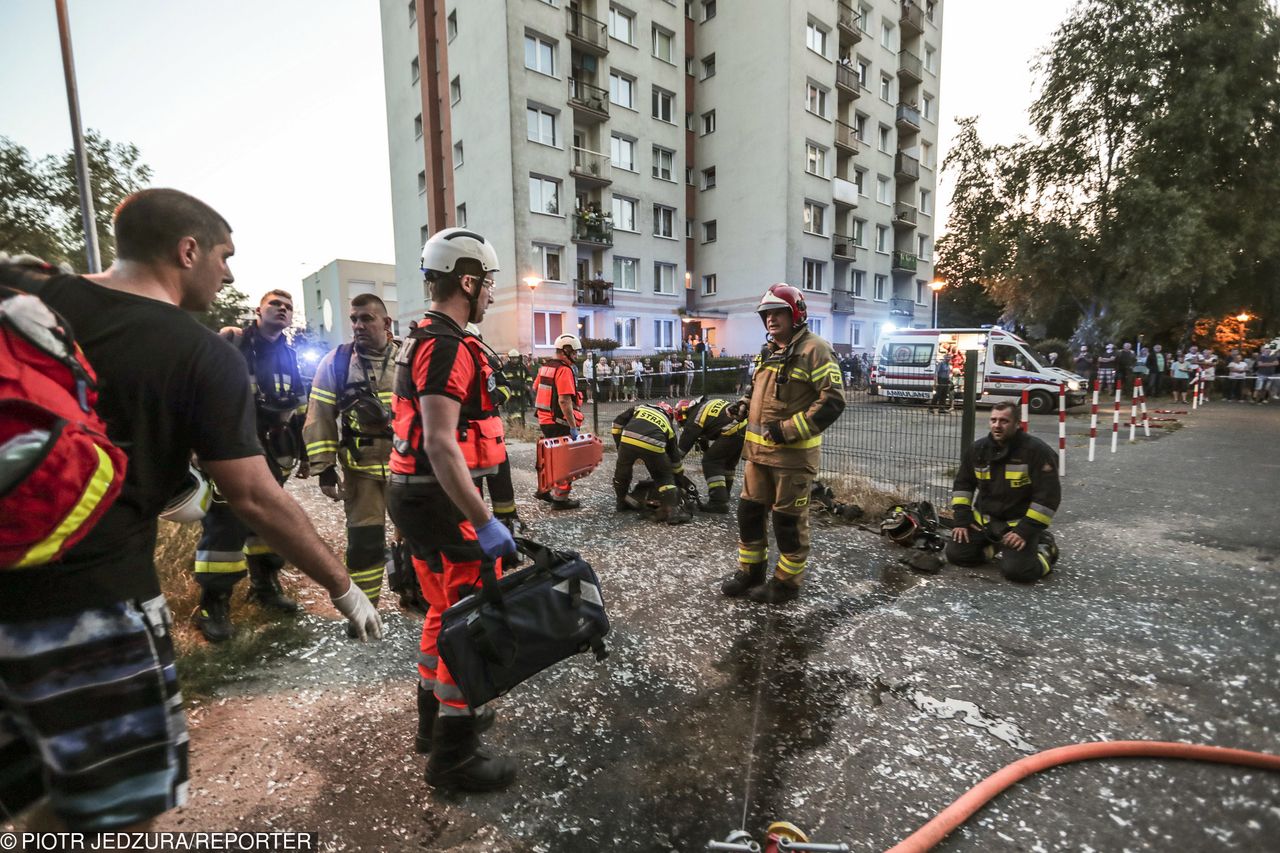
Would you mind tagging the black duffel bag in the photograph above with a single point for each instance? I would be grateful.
(513, 628)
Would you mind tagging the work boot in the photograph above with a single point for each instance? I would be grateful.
(774, 592)
(717, 500)
(565, 503)
(458, 762)
(213, 615)
(543, 496)
(264, 588)
(429, 706)
(626, 503)
(743, 579)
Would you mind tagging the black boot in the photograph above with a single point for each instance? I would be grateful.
(429, 706)
(717, 500)
(264, 588)
(565, 503)
(458, 762)
(743, 579)
(775, 592)
(213, 615)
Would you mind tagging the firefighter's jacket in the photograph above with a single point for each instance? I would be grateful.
(707, 422)
(647, 428)
(1016, 483)
(343, 425)
(796, 393)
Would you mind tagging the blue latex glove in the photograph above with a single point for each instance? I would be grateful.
(573, 432)
(495, 539)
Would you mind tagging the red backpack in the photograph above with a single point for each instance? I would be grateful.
(58, 470)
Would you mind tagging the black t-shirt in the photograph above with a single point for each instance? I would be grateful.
(167, 386)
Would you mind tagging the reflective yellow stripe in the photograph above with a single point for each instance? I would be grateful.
(1046, 520)
(323, 396)
(210, 567)
(802, 425)
(96, 489)
(662, 489)
(830, 371)
(982, 473)
(322, 446)
(504, 506)
(735, 428)
(791, 567)
(643, 445)
(366, 575)
(961, 501)
(256, 549)
(749, 555)
(756, 438)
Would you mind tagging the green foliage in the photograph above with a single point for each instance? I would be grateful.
(226, 310)
(600, 344)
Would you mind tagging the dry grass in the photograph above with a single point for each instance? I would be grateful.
(875, 499)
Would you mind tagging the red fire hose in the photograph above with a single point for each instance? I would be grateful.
(928, 836)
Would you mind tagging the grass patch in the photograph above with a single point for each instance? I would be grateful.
(875, 499)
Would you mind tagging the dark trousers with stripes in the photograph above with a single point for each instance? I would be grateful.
(1025, 565)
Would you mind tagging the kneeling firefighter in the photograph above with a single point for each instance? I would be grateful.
(448, 436)
(646, 433)
(710, 425)
(228, 549)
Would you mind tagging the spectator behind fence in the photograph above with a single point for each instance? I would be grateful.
(1157, 371)
(1180, 371)
(589, 380)
(941, 385)
(1237, 375)
(1084, 365)
(1107, 368)
(1208, 371)
(1265, 368)
(90, 710)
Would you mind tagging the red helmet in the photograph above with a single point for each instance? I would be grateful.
(666, 409)
(682, 410)
(783, 295)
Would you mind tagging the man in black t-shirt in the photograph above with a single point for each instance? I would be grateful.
(90, 714)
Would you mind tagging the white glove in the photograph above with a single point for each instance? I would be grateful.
(360, 612)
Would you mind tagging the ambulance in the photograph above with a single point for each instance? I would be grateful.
(906, 361)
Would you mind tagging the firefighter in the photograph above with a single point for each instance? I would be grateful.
(559, 406)
(228, 549)
(709, 425)
(517, 380)
(646, 433)
(795, 394)
(348, 427)
(448, 436)
(1004, 499)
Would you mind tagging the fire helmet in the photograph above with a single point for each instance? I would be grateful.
(192, 501)
(513, 353)
(783, 295)
(665, 407)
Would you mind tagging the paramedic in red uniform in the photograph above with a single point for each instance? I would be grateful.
(559, 407)
(448, 436)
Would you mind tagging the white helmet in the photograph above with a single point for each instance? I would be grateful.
(192, 503)
(513, 353)
(569, 341)
(450, 245)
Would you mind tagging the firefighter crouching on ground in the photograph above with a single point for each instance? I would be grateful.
(228, 549)
(646, 433)
(559, 406)
(449, 435)
(709, 425)
(795, 394)
(1004, 499)
(348, 427)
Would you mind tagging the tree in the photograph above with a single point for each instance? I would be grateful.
(114, 173)
(26, 202)
(227, 309)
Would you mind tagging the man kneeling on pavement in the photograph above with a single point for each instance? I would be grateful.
(646, 433)
(1004, 500)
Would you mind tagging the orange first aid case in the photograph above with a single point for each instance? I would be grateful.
(566, 459)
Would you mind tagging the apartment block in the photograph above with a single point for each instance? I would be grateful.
(646, 169)
(328, 292)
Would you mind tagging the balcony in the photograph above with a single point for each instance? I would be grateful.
(899, 307)
(904, 216)
(910, 67)
(903, 262)
(912, 20)
(593, 229)
(843, 301)
(593, 293)
(906, 167)
(847, 138)
(844, 192)
(847, 80)
(587, 33)
(843, 248)
(590, 103)
(908, 118)
(847, 21)
(591, 168)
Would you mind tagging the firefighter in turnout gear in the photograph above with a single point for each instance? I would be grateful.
(517, 381)
(646, 433)
(795, 394)
(448, 437)
(228, 549)
(559, 406)
(709, 425)
(348, 436)
(1004, 499)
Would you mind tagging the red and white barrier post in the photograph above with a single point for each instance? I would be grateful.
(1115, 420)
(1133, 412)
(1146, 419)
(1062, 430)
(1026, 408)
(1093, 421)
(1195, 390)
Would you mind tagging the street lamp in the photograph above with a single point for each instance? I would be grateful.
(1244, 316)
(533, 281)
(936, 285)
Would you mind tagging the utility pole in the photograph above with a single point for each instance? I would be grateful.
(87, 214)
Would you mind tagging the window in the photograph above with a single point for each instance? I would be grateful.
(709, 231)
(547, 326)
(864, 73)
(708, 9)
(540, 55)
(424, 233)
(860, 126)
(930, 60)
(919, 292)
(815, 99)
(622, 25)
(882, 282)
(708, 66)
(451, 25)
(926, 202)
(708, 178)
(422, 182)
(860, 181)
(624, 331)
(460, 216)
(688, 229)
(709, 285)
(455, 90)
(815, 325)
(664, 278)
(858, 283)
(885, 139)
(413, 71)
(815, 38)
(622, 152)
(813, 272)
(859, 233)
(417, 126)
(926, 106)
(664, 44)
(815, 159)
(664, 105)
(624, 273)
(884, 190)
(708, 122)
(922, 244)
(664, 221)
(882, 239)
(664, 334)
(550, 265)
(855, 333)
(886, 88)
(814, 218)
(664, 163)
(621, 90)
(457, 154)
(926, 155)
(624, 213)
(541, 125)
(413, 13)
(864, 19)
(544, 195)
(886, 34)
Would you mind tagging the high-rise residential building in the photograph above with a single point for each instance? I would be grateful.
(328, 292)
(646, 169)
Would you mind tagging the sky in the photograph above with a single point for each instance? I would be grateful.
(273, 112)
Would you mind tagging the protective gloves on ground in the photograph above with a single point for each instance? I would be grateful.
(495, 539)
(360, 612)
(330, 486)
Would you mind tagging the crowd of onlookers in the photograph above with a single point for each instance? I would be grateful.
(1240, 376)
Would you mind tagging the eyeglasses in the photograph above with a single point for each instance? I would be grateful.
(484, 282)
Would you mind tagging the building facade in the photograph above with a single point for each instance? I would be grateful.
(646, 169)
(328, 293)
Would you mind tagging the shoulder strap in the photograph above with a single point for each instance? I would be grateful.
(342, 367)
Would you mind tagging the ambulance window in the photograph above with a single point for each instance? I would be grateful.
(912, 355)
(1008, 356)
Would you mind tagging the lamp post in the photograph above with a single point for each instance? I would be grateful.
(936, 285)
(532, 281)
